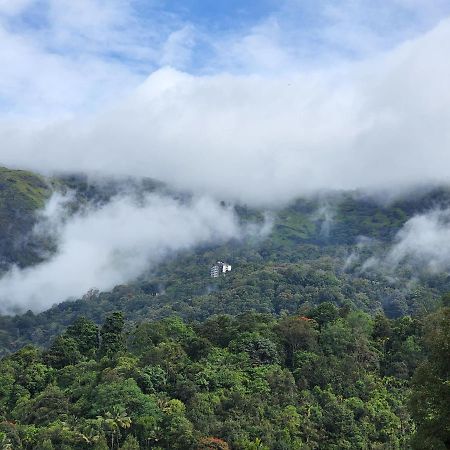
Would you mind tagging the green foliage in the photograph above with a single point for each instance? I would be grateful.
(63, 352)
(112, 337)
(258, 383)
(22, 194)
(86, 334)
(301, 264)
(131, 443)
(297, 348)
(430, 400)
(45, 445)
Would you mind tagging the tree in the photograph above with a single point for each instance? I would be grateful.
(212, 443)
(298, 333)
(324, 313)
(113, 421)
(101, 444)
(45, 445)
(112, 337)
(50, 405)
(63, 352)
(177, 429)
(123, 394)
(5, 443)
(382, 328)
(430, 400)
(85, 332)
(131, 443)
(260, 349)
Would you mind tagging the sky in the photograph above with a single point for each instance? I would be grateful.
(256, 102)
(61, 57)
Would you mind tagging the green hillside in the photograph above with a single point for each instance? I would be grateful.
(303, 262)
(22, 194)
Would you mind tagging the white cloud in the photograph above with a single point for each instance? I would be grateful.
(114, 244)
(37, 83)
(425, 241)
(301, 101)
(72, 57)
(61, 57)
(265, 140)
(260, 49)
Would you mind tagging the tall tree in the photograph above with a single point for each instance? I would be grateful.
(430, 400)
(112, 336)
(85, 332)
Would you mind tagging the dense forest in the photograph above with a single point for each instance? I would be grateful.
(333, 378)
(299, 347)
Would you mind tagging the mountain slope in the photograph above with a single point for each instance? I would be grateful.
(312, 254)
(22, 194)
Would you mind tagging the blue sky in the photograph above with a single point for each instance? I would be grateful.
(63, 56)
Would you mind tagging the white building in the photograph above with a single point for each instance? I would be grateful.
(220, 268)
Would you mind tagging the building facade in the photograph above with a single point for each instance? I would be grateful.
(220, 268)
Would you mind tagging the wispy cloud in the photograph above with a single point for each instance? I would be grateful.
(257, 107)
(64, 57)
(424, 241)
(114, 244)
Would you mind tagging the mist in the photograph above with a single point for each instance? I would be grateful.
(114, 244)
(424, 241)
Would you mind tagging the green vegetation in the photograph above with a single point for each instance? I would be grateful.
(332, 378)
(20, 187)
(183, 288)
(22, 194)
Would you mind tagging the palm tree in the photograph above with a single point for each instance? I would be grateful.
(113, 422)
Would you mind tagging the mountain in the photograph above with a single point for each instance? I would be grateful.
(312, 254)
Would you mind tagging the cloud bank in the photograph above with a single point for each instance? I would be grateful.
(112, 245)
(264, 140)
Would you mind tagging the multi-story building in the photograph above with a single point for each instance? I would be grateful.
(220, 268)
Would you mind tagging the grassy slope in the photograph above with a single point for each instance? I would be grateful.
(22, 194)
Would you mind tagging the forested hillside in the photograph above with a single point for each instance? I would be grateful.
(302, 346)
(312, 254)
(23, 196)
(224, 225)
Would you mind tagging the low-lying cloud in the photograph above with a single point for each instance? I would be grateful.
(424, 240)
(114, 244)
(421, 245)
(264, 140)
(262, 127)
